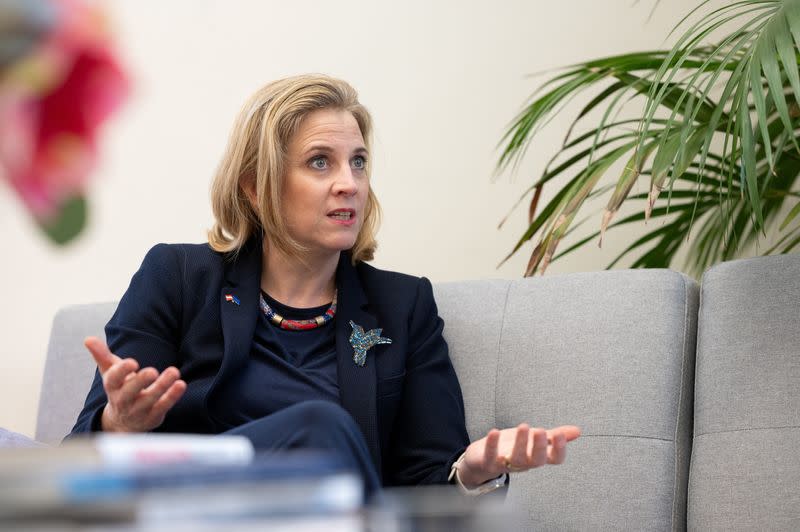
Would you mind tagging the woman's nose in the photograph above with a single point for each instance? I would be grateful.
(346, 182)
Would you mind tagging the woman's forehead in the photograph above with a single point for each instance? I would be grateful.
(328, 128)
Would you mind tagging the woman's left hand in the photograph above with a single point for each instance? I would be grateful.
(514, 450)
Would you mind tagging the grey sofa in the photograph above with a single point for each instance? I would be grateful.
(687, 395)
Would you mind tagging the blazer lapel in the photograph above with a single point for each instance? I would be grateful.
(238, 302)
(357, 384)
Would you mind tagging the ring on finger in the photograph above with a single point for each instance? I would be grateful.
(511, 468)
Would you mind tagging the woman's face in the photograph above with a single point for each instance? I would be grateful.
(326, 186)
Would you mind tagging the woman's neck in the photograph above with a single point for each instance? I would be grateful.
(298, 284)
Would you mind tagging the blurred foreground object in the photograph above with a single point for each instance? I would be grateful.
(59, 80)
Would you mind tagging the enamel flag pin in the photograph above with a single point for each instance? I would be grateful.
(231, 298)
(362, 341)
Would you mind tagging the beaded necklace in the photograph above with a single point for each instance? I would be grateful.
(298, 325)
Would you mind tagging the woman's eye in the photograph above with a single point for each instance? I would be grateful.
(359, 162)
(320, 163)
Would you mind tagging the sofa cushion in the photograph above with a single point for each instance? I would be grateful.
(745, 470)
(612, 352)
(9, 439)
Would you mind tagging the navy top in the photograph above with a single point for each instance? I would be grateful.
(285, 367)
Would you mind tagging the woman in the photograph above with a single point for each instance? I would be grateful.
(278, 329)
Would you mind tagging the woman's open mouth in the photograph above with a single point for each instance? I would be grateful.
(343, 216)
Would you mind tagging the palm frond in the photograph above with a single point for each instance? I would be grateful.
(717, 127)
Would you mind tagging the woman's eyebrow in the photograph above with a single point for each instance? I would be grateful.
(327, 149)
(319, 147)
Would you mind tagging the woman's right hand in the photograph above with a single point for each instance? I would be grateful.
(138, 400)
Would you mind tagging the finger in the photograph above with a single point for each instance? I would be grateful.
(117, 374)
(539, 454)
(129, 391)
(167, 401)
(571, 432)
(490, 449)
(102, 355)
(519, 453)
(558, 450)
(148, 397)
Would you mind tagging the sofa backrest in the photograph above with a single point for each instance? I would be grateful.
(69, 368)
(611, 352)
(745, 468)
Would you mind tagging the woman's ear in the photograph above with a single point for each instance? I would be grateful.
(248, 186)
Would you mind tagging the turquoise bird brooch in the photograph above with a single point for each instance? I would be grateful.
(362, 341)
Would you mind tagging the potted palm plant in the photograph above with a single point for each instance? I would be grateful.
(713, 132)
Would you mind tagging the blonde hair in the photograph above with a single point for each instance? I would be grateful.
(257, 149)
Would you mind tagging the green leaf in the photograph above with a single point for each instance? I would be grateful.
(792, 11)
(785, 237)
(749, 157)
(732, 83)
(793, 244)
(593, 174)
(572, 202)
(783, 43)
(791, 216)
(597, 100)
(759, 100)
(536, 114)
(549, 209)
(629, 176)
(670, 98)
(68, 222)
(664, 158)
(769, 63)
(636, 217)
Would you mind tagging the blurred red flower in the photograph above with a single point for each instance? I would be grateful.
(53, 100)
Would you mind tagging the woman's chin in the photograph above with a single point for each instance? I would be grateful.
(344, 242)
(334, 247)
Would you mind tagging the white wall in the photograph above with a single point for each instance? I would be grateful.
(442, 79)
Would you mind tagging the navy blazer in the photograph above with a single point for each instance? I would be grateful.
(406, 398)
